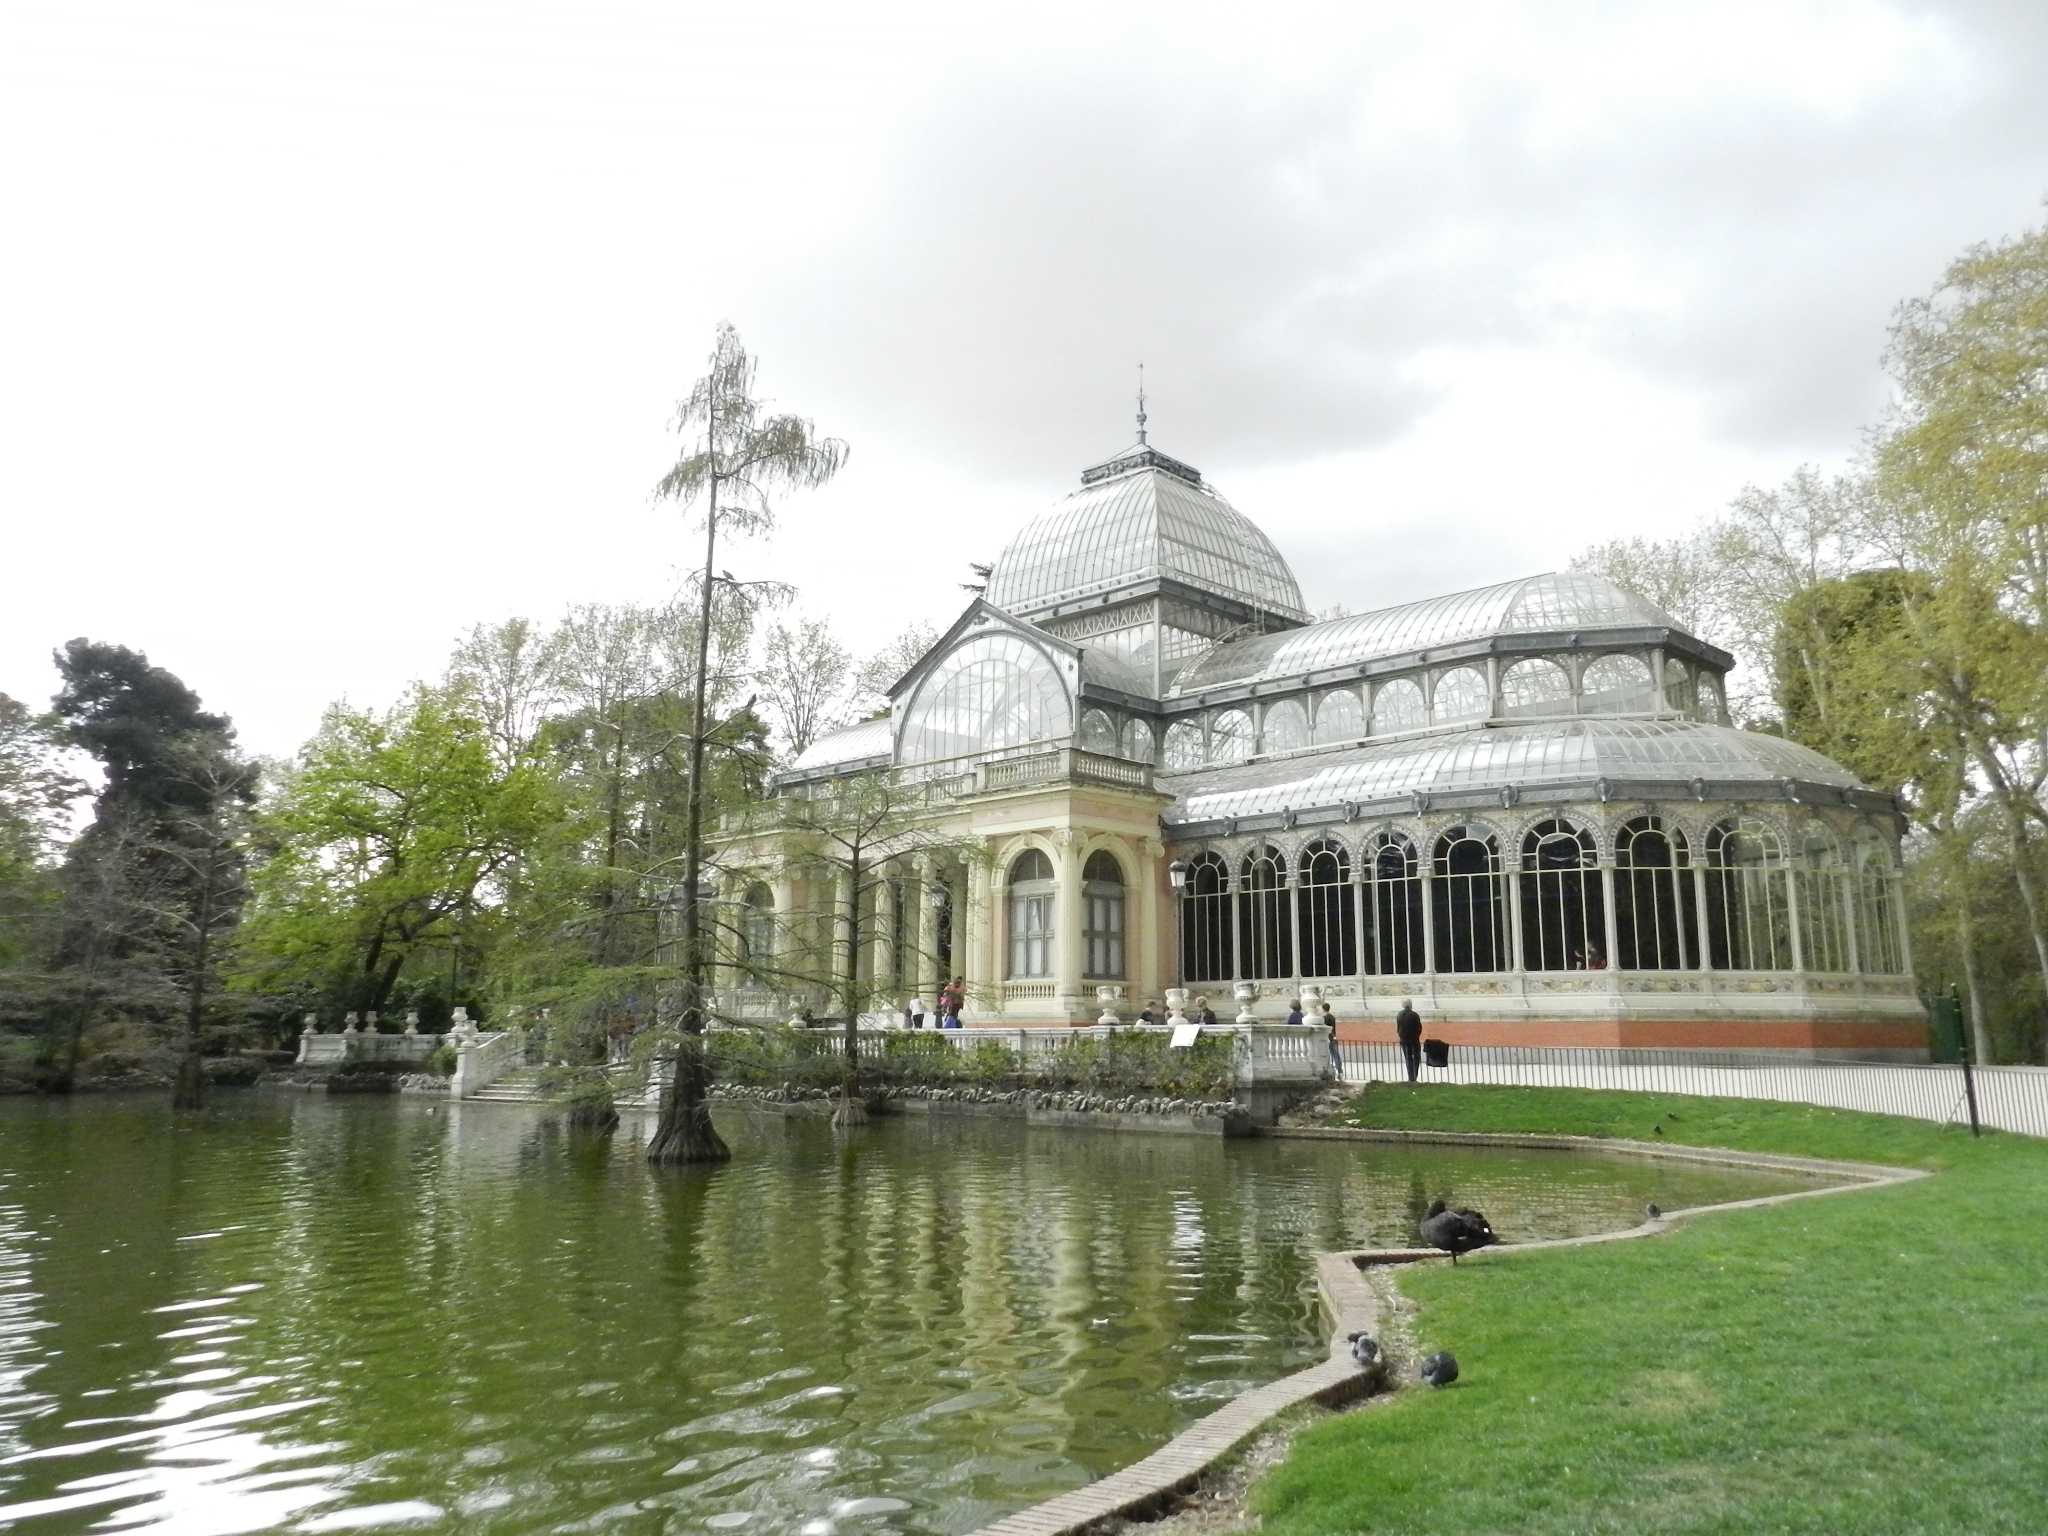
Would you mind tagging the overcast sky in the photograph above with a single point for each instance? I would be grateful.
(328, 331)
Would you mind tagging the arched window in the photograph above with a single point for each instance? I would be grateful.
(1230, 736)
(1394, 912)
(1878, 948)
(1564, 918)
(1207, 953)
(1183, 746)
(1535, 687)
(1286, 727)
(1397, 706)
(1823, 901)
(1617, 683)
(1262, 917)
(1470, 913)
(1749, 924)
(1098, 733)
(1460, 695)
(1339, 717)
(1708, 692)
(1031, 902)
(1102, 917)
(757, 935)
(1136, 741)
(989, 693)
(1678, 692)
(1655, 918)
(1328, 911)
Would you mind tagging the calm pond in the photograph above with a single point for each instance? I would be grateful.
(314, 1315)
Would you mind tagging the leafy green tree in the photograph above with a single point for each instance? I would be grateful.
(36, 792)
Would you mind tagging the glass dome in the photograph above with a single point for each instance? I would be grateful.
(1142, 516)
(988, 694)
(1561, 600)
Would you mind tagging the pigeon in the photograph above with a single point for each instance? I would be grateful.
(1455, 1232)
(1440, 1369)
(1364, 1347)
(1652, 1211)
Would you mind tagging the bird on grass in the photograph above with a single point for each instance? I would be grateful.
(1653, 1211)
(1440, 1369)
(1455, 1232)
(1364, 1347)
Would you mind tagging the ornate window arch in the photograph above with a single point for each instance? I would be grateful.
(1398, 706)
(1098, 733)
(1564, 910)
(1206, 926)
(1395, 909)
(1535, 686)
(1707, 693)
(1265, 931)
(1230, 736)
(1617, 683)
(1460, 694)
(1339, 717)
(1327, 910)
(1880, 948)
(1285, 727)
(1678, 689)
(1184, 749)
(1656, 917)
(1136, 742)
(757, 935)
(1469, 910)
(985, 695)
(1102, 917)
(1824, 900)
(1032, 891)
(1749, 915)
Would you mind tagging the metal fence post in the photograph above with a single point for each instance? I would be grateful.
(1963, 1039)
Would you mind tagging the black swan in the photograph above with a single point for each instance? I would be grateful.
(1455, 1232)
(1440, 1369)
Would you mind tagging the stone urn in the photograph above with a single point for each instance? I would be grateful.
(1176, 1005)
(1107, 996)
(1312, 1005)
(1247, 994)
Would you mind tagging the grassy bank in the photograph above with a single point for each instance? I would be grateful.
(1871, 1362)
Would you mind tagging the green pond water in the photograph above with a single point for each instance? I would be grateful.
(311, 1315)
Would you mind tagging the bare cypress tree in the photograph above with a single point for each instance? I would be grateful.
(744, 454)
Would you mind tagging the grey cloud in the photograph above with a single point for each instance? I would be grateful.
(1278, 275)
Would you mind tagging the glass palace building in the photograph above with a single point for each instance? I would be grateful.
(1142, 765)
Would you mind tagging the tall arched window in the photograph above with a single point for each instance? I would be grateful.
(1564, 918)
(1749, 921)
(1230, 736)
(1098, 733)
(1136, 741)
(1878, 948)
(1460, 695)
(1708, 692)
(1339, 717)
(1184, 746)
(1656, 918)
(1535, 687)
(1823, 901)
(1031, 906)
(1397, 706)
(1678, 692)
(1328, 911)
(1470, 916)
(1263, 924)
(757, 934)
(989, 693)
(1285, 727)
(1102, 917)
(1207, 953)
(1616, 683)
(1394, 912)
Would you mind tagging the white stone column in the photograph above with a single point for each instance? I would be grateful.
(975, 943)
(924, 962)
(1150, 939)
(1067, 911)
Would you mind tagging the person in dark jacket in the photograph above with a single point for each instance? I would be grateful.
(1336, 1056)
(1203, 1015)
(1408, 1030)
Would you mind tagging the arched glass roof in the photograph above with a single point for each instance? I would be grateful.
(871, 738)
(1143, 522)
(1561, 600)
(1525, 757)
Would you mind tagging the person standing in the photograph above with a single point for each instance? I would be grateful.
(915, 1011)
(1408, 1030)
(1203, 1015)
(1294, 1012)
(1330, 1023)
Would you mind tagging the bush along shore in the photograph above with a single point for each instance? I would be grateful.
(1020, 1098)
(1866, 1362)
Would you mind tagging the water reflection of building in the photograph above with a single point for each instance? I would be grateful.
(1523, 805)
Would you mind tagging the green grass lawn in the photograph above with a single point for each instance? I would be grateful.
(1867, 1362)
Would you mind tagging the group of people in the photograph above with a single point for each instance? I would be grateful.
(952, 998)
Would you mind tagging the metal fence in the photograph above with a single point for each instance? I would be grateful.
(2008, 1098)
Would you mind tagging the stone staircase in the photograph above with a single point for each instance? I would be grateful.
(519, 1086)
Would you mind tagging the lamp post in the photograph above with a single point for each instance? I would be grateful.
(1177, 872)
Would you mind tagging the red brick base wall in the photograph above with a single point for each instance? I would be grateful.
(1661, 1034)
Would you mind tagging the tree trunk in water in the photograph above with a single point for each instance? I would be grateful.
(189, 1089)
(853, 1109)
(685, 1133)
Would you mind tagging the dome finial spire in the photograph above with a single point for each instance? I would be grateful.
(1141, 402)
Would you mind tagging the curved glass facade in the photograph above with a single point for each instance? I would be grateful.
(990, 693)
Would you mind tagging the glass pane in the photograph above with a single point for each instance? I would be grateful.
(1183, 746)
(1461, 695)
(1136, 741)
(1535, 687)
(990, 693)
(1230, 737)
(1396, 706)
(1339, 717)
(1286, 727)
(1098, 733)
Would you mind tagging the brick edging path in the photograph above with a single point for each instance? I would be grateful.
(1147, 1485)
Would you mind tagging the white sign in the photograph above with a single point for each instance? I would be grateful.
(1184, 1035)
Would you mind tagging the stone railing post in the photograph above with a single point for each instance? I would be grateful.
(312, 1028)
